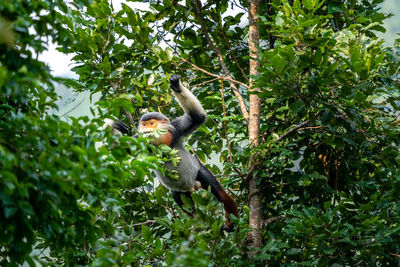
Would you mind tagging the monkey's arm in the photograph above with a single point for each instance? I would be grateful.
(194, 113)
(117, 127)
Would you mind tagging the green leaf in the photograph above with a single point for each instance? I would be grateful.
(293, 251)
(333, 8)
(278, 62)
(326, 116)
(9, 211)
(296, 107)
(360, 97)
(199, 200)
(279, 21)
(146, 233)
(308, 4)
(106, 64)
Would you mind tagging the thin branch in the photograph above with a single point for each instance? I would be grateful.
(396, 119)
(203, 83)
(241, 175)
(106, 41)
(271, 220)
(227, 78)
(114, 87)
(146, 222)
(294, 129)
(242, 103)
(72, 109)
(170, 210)
(231, 52)
(239, 6)
(224, 122)
(130, 118)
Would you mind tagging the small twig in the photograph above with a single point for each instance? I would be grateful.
(239, 173)
(294, 129)
(216, 50)
(271, 220)
(224, 122)
(170, 210)
(200, 84)
(194, 153)
(130, 118)
(220, 77)
(311, 127)
(114, 87)
(239, 6)
(146, 222)
(106, 42)
(231, 52)
(72, 109)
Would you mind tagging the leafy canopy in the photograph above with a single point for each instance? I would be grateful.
(327, 166)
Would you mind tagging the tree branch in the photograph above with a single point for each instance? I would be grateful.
(231, 52)
(225, 78)
(224, 122)
(129, 116)
(216, 50)
(294, 129)
(271, 220)
(146, 222)
(203, 83)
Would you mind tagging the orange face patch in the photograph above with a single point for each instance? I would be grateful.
(152, 124)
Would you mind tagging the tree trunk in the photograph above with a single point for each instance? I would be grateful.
(255, 216)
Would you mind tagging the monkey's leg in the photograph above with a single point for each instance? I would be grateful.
(206, 178)
(176, 195)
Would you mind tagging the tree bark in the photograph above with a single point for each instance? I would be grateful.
(255, 214)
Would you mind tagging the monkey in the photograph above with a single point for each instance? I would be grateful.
(190, 170)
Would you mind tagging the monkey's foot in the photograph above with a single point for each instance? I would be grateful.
(174, 83)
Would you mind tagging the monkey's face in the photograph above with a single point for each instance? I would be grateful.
(153, 125)
(159, 130)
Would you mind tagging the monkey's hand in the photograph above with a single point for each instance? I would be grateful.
(174, 83)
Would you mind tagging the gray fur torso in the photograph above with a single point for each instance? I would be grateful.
(188, 168)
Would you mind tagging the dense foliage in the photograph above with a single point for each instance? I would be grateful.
(331, 151)
(327, 166)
